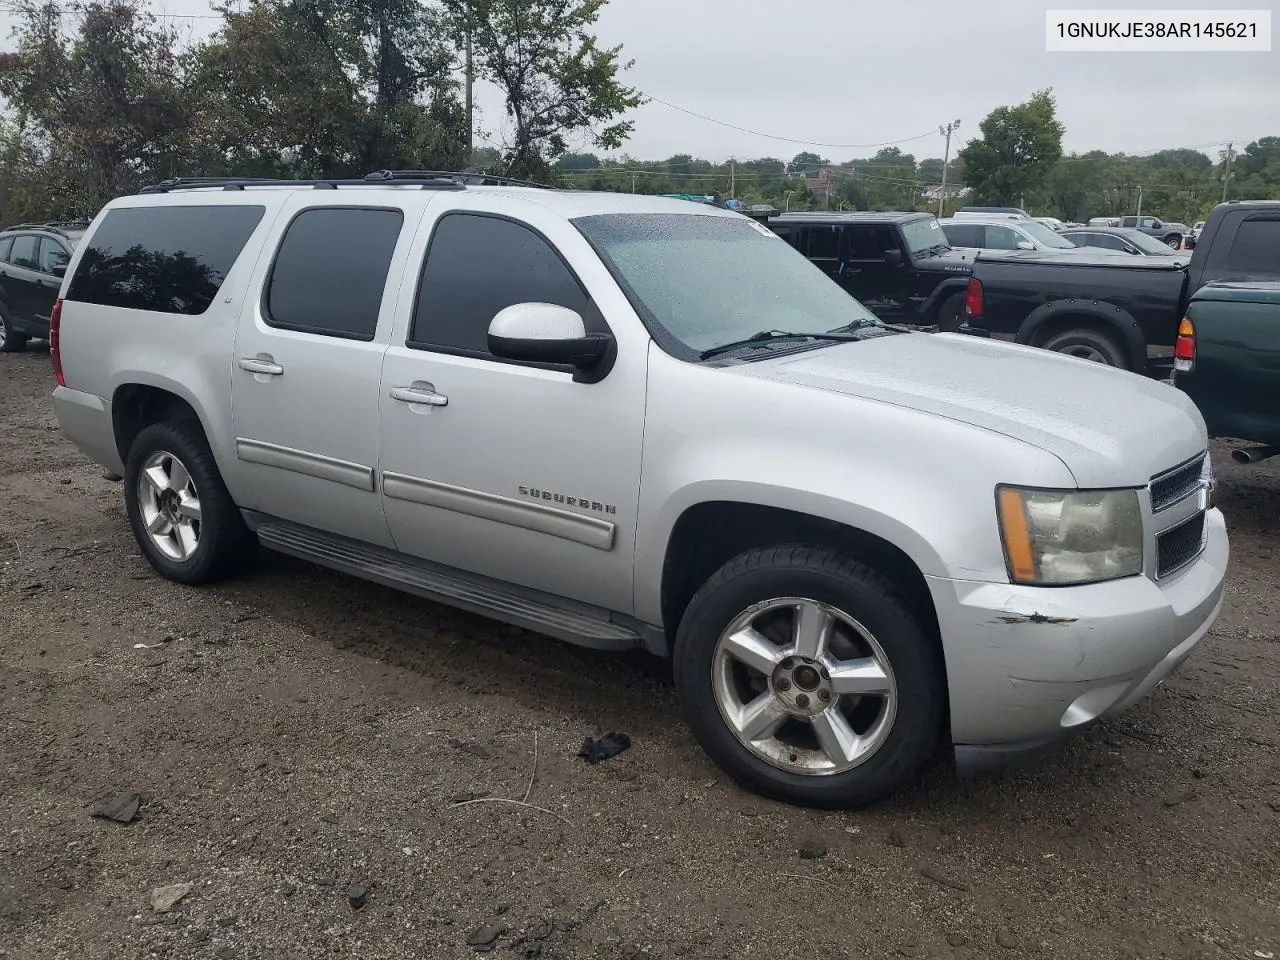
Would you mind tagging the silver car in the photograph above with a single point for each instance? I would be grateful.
(999, 234)
(632, 422)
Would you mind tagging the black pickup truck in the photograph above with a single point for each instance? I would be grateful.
(898, 265)
(1111, 308)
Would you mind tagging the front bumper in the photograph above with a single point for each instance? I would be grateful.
(1028, 665)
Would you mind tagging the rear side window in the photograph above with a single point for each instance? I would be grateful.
(1256, 248)
(331, 270)
(162, 259)
(26, 252)
(6, 245)
(477, 266)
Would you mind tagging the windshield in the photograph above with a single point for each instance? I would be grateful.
(922, 235)
(710, 280)
(1147, 243)
(1045, 236)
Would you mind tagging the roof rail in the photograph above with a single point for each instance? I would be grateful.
(474, 178)
(429, 182)
(57, 226)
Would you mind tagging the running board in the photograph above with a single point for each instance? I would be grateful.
(584, 626)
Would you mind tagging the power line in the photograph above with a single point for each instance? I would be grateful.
(769, 136)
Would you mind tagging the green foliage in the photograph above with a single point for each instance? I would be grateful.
(554, 76)
(1016, 152)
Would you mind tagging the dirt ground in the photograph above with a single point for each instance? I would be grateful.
(297, 734)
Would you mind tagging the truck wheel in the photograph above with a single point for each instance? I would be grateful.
(10, 340)
(1089, 344)
(803, 673)
(182, 516)
(1174, 240)
(951, 314)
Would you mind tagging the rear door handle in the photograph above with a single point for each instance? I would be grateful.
(419, 395)
(256, 365)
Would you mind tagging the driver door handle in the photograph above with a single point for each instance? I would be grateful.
(417, 395)
(257, 365)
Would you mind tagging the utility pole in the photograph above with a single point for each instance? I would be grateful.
(733, 179)
(1139, 213)
(633, 183)
(946, 131)
(471, 80)
(1226, 177)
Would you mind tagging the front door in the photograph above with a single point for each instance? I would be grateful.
(510, 470)
(308, 357)
(22, 280)
(878, 282)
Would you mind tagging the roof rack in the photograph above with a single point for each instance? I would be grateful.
(474, 178)
(239, 183)
(56, 226)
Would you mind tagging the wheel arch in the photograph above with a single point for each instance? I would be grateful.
(138, 403)
(1050, 319)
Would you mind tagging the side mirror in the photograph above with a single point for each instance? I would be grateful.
(893, 257)
(1026, 245)
(546, 333)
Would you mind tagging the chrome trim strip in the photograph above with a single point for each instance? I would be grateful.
(589, 531)
(308, 464)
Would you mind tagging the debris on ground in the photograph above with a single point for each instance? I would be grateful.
(610, 745)
(357, 895)
(122, 808)
(812, 849)
(1180, 798)
(937, 876)
(472, 748)
(164, 899)
(483, 940)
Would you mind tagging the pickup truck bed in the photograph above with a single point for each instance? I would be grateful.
(1112, 308)
(1234, 377)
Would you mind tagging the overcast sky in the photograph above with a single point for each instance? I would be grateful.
(855, 75)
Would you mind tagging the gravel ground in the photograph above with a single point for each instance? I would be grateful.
(302, 741)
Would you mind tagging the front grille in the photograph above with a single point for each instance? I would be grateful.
(1168, 488)
(1178, 547)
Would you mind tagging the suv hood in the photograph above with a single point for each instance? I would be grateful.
(1110, 427)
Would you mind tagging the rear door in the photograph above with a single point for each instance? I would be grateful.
(307, 361)
(23, 280)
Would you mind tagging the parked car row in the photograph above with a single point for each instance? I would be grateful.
(33, 260)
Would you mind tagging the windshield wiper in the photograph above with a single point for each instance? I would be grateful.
(769, 336)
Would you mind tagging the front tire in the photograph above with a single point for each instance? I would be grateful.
(1174, 240)
(803, 674)
(182, 516)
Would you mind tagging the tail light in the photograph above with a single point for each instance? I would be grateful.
(55, 349)
(1184, 348)
(973, 298)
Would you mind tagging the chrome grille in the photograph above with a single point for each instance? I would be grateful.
(1173, 485)
(1177, 547)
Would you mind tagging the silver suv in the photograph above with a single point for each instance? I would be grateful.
(640, 422)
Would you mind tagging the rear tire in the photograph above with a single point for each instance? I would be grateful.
(1174, 241)
(1087, 343)
(10, 340)
(951, 313)
(182, 516)
(873, 695)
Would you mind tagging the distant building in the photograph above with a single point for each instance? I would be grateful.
(954, 192)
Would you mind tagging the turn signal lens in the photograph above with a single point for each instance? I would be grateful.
(1184, 348)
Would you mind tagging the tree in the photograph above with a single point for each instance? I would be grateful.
(806, 163)
(1016, 152)
(556, 79)
(575, 162)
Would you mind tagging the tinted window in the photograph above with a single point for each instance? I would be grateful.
(1256, 248)
(824, 242)
(1001, 238)
(963, 234)
(869, 243)
(166, 259)
(52, 255)
(26, 252)
(331, 270)
(477, 266)
(5, 246)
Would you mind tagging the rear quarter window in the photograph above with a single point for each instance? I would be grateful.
(170, 259)
(1256, 248)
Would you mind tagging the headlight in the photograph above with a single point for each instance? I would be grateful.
(1059, 537)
